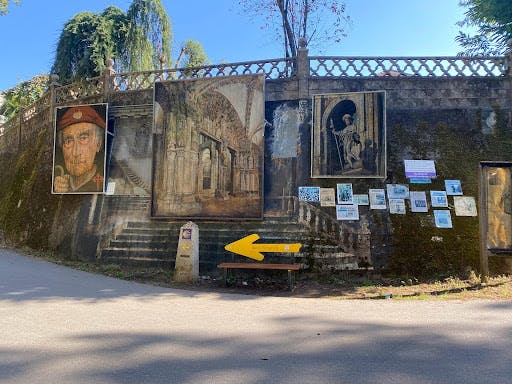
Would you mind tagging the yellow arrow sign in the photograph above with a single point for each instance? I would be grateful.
(247, 248)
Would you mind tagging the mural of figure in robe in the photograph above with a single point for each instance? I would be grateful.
(348, 143)
(348, 136)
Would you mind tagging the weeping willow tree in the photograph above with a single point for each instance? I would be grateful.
(149, 35)
(138, 40)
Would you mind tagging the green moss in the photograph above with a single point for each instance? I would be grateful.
(26, 204)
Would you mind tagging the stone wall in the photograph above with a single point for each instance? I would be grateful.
(455, 121)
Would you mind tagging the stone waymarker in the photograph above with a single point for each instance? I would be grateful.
(186, 269)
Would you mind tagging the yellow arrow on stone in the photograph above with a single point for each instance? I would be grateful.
(246, 247)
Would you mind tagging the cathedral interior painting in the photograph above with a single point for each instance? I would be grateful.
(208, 148)
(349, 135)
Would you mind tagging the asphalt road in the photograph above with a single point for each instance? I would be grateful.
(58, 325)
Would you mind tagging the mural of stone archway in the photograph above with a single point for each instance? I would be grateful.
(208, 148)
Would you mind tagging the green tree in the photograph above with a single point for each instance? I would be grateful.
(493, 20)
(22, 95)
(301, 22)
(191, 54)
(136, 39)
(4, 6)
(149, 35)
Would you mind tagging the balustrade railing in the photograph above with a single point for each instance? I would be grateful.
(80, 90)
(319, 66)
(322, 223)
(272, 69)
(491, 66)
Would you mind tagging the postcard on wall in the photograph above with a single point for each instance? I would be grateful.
(309, 194)
(345, 194)
(453, 187)
(347, 212)
(443, 218)
(348, 138)
(397, 206)
(418, 201)
(439, 199)
(377, 199)
(420, 168)
(327, 197)
(398, 191)
(465, 206)
(361, 199)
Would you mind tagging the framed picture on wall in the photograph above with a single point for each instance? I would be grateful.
(79, 149)
(349, 135)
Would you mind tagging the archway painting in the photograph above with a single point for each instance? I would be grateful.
(208, 148)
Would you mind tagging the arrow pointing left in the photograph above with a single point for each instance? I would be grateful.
(246, 247)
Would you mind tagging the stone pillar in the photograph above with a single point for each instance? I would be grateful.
(109, 71)
(186, 268)
(303, 72)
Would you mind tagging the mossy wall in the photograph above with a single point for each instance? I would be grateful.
(431, 119)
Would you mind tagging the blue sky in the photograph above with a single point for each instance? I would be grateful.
(30, 31)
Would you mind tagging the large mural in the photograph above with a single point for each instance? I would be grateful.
(79, 149)
(208, 148)
(349, 135)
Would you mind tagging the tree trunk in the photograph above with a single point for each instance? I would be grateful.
(283, 8)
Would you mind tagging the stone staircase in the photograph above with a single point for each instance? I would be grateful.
(153, 243)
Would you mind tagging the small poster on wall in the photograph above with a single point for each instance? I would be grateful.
(438, 199)
(420, 168)
(377, 199)
(327, 197)
(310, 194)
(344, 192)
(361, 199)
(453, 187)
(418, 201)
(443, 218)
(398, 191)
(347, 212)
(397, 206)
(465, 206)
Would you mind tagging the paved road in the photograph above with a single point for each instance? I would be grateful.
(59, 325)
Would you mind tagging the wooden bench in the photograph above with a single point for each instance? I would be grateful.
(288, 267)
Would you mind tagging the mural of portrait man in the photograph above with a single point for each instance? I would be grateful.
(79, 152)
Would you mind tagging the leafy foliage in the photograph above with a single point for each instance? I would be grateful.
(191, 55)
(149, 35)
(4, 6)
(493, 19)
(314, 22)
(85, 42)
(22, 95)
(136, 39)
